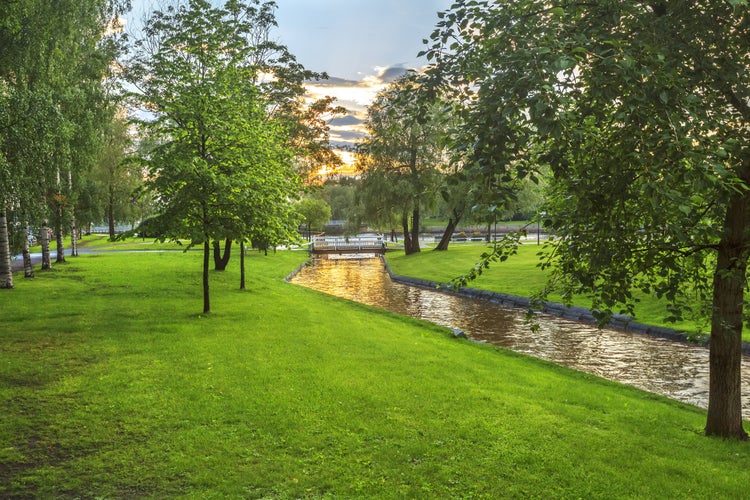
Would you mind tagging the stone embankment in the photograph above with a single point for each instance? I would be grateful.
(620, 321)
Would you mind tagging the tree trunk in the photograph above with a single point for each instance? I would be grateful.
(407, 234)
(73, 234)
(111, 212)
(242, 264)
(221, 261)
(28, 268)
(206, 261)
(73, 239)
(725, 356)
(6, 271)
(59, 211)
(60, 244)
(449, 230)
(415, 228)
(44, 240)
(217, 254)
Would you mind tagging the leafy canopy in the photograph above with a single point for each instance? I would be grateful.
(640, 109)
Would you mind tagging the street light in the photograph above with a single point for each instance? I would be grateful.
(539, 227)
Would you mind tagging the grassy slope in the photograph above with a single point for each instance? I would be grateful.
(519, 275)
(112, 385)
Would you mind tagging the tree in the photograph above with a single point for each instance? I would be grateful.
(54, 57)
(642, 112)
(340, 196)
(382, 200)
(216, 150)
(315, 212)
(455, 197)
(281, 81)
(118, 175)
(6, 272)
(310, 138)
(403, 148)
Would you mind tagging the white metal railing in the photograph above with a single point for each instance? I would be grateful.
(350, 244)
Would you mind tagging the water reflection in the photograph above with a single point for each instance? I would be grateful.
(659, 365)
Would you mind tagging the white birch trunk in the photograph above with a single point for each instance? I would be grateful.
(44, 240)
(28, 268)
(73, 229)
(73, 234)
(6, 272)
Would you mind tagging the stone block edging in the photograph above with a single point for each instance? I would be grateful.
(575, 313)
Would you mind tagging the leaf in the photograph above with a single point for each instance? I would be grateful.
(557, 11)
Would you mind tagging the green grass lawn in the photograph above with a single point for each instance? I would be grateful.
(520, 276)
(113, 385)
(102, 242)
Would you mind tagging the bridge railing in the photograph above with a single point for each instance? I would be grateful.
(343, 245)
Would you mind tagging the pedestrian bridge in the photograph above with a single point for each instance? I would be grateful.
(358, 245)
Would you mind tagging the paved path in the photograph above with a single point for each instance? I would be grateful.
(16, 263)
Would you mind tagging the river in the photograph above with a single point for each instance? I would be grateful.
(675, 369)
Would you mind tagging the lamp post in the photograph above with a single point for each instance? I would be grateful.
(539, 227)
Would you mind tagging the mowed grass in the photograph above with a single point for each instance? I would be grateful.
(521, 275)
(113, 386)
(101, 242)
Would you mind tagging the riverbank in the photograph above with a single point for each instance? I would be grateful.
(114, 386)
(576, 313)
(514, 281)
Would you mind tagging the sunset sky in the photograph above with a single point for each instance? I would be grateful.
(361, 44)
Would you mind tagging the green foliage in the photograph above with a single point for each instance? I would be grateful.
(111, 192)
(643, 167)
(402, 156)
(315, 212)
(641, 111)
(341, 197)
(54, 58)
(221, 167)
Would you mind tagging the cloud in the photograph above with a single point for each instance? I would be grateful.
(391, 74)
(334, 81)
(355, 97)
(342, 138)
(346, 121)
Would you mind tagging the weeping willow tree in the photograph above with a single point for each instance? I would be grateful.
(403, 149)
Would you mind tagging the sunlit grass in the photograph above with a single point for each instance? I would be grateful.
(102, 242)
(113, 385)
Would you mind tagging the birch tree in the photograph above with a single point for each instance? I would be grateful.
(53, 60)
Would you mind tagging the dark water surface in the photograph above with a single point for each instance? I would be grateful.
(674, 369)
